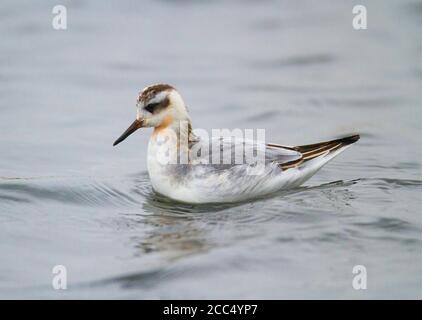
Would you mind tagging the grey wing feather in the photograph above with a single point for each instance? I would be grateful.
(227, 152)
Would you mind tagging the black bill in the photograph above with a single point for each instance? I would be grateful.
(132, 128)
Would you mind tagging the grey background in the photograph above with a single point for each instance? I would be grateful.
(295, 68)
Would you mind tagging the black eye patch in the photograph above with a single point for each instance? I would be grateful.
(158, 106)
(151, 107)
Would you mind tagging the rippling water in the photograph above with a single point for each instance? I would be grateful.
(298, 70)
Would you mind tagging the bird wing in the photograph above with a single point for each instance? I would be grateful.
(224, 152)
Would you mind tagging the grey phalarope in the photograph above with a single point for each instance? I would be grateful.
(194, 178)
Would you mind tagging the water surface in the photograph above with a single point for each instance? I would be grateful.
(297, 69)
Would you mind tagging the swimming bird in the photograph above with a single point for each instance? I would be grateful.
(189, 168)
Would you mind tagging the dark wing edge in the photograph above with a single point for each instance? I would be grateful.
(311, 151)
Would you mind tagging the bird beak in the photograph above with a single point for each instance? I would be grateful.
(132, 128)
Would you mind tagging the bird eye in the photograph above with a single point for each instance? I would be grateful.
(151, 107)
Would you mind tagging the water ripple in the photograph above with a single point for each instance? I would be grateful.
(295, 61)
(76, 191)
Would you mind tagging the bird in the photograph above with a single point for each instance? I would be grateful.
(187, 167)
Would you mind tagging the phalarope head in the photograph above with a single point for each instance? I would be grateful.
(158, 105)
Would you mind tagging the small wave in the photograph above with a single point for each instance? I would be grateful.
(389, 224)
(364, 102)
(392, 183)
(145, 279)
(126, 191)
(296, 61)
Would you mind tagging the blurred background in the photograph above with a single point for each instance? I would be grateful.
(295, 68)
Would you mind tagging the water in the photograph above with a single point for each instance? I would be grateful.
(298, 70)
